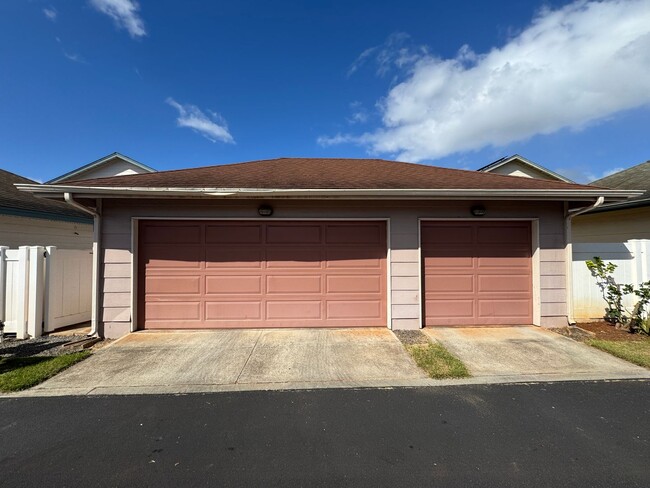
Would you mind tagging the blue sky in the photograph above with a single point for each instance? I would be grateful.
(177, 84)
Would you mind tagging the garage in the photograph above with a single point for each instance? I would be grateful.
(477, 273)
(249, 274)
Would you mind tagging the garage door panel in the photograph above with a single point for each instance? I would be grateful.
(173, 310)
(520, 259)
(351, 284)
(354, 309)
(294, 257)
(508, 234)
(449, 283)
(485, 279)
(293, 234)
(446, 265)
(513, 283)
(233, 285)
(294, 310)
(445, 234)
(500, 309)
(233, 257)
(166, 256)
(354, 234)
(353, 257)
(233, 310)
(176, 234)
(230, 233)
(173, 285)
(265, 274)
(451, 308)
(296, 284)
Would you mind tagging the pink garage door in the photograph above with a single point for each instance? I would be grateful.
(218, 274)
(477, 273)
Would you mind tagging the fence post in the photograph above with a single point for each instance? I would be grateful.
(22, 292)
(3, 281)
(48, 308)
(35, 301)
(645, 260)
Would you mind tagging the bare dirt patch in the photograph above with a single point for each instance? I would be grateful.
(606, 331)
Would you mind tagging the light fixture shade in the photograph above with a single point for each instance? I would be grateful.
(265, 210)
(478, 210)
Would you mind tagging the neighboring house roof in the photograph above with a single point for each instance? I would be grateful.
(78, 174)
(326, 177)
(634, 178)
(15, 202)
(516, 158)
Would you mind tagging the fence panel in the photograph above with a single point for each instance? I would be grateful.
(69, 287)
(16, 282)
(633, 261)
(44, 290)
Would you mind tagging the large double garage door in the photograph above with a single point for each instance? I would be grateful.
(221, 274)
(235, 274)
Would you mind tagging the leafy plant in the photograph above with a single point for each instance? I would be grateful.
(639, 315)
(613, 293)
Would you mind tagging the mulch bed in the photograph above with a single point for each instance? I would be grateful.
(411, 337)
(606, 331)
(41, 346)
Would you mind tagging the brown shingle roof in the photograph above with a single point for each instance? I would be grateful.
(634, 178)
(324, 173)
(15, 202)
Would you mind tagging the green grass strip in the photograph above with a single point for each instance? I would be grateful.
(20, 373)
(637, 352)
(437, 361)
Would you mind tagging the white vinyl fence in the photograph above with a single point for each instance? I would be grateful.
(44, 288)
(633, 261)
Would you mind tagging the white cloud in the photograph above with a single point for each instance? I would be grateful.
(359, 113)
(77, 58)
(396, 52)
(211, 126)
(74, 57)
(125, 13)
(50, 13)
(570, 67)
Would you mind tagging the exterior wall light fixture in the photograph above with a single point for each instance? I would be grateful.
(478, 210)
(265, 210)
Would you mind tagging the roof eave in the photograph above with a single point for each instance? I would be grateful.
(54, 191)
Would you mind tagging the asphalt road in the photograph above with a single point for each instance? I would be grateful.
(551, 435)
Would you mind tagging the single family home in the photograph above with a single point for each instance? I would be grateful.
(312, 242)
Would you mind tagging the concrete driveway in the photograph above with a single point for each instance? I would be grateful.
(507, 354)
(230, 360)
(237, 360)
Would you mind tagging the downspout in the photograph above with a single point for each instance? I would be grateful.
(569, 252)
(94, 316)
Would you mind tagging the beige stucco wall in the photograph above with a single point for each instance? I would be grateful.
(404, 265)
(18, 231)
(616, 226)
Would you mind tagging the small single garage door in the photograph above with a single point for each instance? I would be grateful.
(220, 274)
(477, 273)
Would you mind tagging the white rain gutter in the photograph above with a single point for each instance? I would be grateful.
(359, 193)
(94, 314)
(570, 214)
